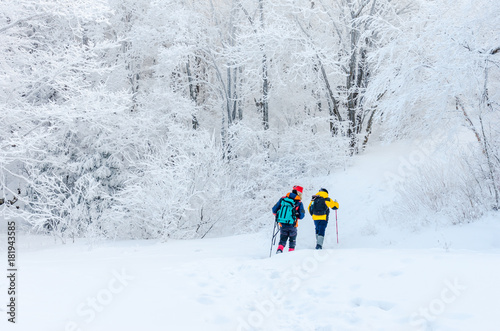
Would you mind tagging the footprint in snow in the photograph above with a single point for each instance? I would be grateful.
(395, 273)
(357, 302)
(384, 305)
(319, 294)
(205, 300)
(355, 287)
(323, 328)
(275, 275)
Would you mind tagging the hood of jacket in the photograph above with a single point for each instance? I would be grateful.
(293, 196)
(322, 194)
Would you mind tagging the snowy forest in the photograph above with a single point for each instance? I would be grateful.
(147, 119)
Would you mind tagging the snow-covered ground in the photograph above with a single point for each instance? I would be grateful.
(379, 277)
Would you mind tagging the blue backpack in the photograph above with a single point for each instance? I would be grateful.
(286, 214)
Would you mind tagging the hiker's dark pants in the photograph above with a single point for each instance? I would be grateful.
(288, 232)
(320, 227)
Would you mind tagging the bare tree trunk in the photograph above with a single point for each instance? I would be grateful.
(352, 88)
(458, 104)
(229, 94)
(333, 105)
(491, 168)
(133, 75)
(132, 66)
(486, 103)
(368, 129)
(239, 101)
(357, 75)
(265, 84)
(193, 93)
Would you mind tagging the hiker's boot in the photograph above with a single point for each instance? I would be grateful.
(319, 242)
(280, 249)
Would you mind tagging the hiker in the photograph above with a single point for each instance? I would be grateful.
(288, 210)
(319, 209)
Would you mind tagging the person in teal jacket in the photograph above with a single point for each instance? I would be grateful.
(288, 210)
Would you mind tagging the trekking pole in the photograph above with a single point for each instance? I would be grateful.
(337, 225)
(273, 240)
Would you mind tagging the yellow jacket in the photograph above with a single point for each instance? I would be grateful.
(329, 203)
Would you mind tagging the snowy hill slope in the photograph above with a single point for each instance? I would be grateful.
(377, 278)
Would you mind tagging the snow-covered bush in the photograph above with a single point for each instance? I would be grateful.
(449, 188)
(72, 164)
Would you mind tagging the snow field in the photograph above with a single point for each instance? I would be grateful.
(211, 285)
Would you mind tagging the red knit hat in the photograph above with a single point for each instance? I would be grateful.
(298, 188)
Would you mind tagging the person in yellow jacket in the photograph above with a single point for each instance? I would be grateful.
(319, 209)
